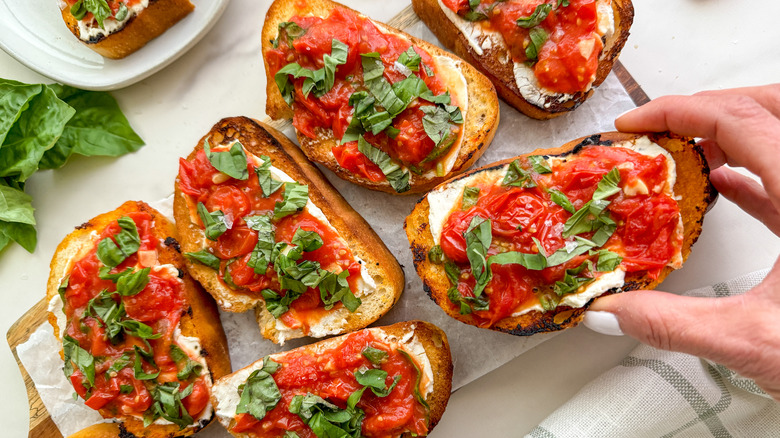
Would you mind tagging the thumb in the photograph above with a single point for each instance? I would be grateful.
(693, 325)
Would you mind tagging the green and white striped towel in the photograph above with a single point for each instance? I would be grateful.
(656, 393)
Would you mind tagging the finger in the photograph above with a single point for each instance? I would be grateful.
(749, 195)
(746, 132)
(719, 329)
(713, 153)
(767, 96)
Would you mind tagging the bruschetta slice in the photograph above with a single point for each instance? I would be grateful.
(388, 381)
(524, 245)
(117, 28)
(262, 228)
(545, 57)
(378, 107)
(141, 341)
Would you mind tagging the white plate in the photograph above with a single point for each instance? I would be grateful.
(33, 32)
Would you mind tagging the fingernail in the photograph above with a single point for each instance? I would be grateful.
(605, 323)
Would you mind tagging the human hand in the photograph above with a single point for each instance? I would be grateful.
(738, 127)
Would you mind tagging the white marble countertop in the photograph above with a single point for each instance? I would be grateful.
(675, 47)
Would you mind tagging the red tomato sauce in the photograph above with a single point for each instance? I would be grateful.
(159, 305)
(241, 198)
(646, 236)
(332, 111)
(330, 375)
(568, 60)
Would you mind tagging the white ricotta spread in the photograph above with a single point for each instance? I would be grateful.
(481, 40)
(90, 30)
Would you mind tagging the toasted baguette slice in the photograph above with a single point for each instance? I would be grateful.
(423, 341)
(132, 33)
(494, 60)
(383, 269)
(692, 190)
(480, 118)
(200, 319)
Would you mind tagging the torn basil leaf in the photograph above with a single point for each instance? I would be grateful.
(326, 419)
(259, 393)
(168, 405)
(132, 283)
(469, 198)
(290, 31)
(410, 59)
(295, 198)
(539, 164)
(375, 379)
(215, 222)
(517, 176)
(205, 258)
(538, 37)
(374, 355)
(267, 183)
(262, 253)
(608, 185)
(84, 361)
(478, 237)
(608, 261)
(536, 18)
(127, 243)
(435, 255)
(561, 199)
(396, 176)
(232, 162)
(187, 367)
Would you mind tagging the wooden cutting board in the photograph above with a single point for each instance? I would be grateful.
(41, 425)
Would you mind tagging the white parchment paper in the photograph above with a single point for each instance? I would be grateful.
(475, 351)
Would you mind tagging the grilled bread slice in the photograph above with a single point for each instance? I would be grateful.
(381, 278)
(422, 342)
(480, 118)
(692, 192)
(122, 33)
(198, 331)
(489, 54)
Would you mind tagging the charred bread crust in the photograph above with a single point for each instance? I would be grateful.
(138, 31)
(261, 139)
(437, 349)
(480, 119)
(502, 74)
(692, 187)
(201, 319)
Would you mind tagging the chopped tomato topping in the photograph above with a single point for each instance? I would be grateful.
(567, 59)
(333, 111)
(330, 374)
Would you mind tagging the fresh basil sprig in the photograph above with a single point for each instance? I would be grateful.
(41, 126)
(259, 393)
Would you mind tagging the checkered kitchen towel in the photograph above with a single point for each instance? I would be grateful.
(656, 393)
